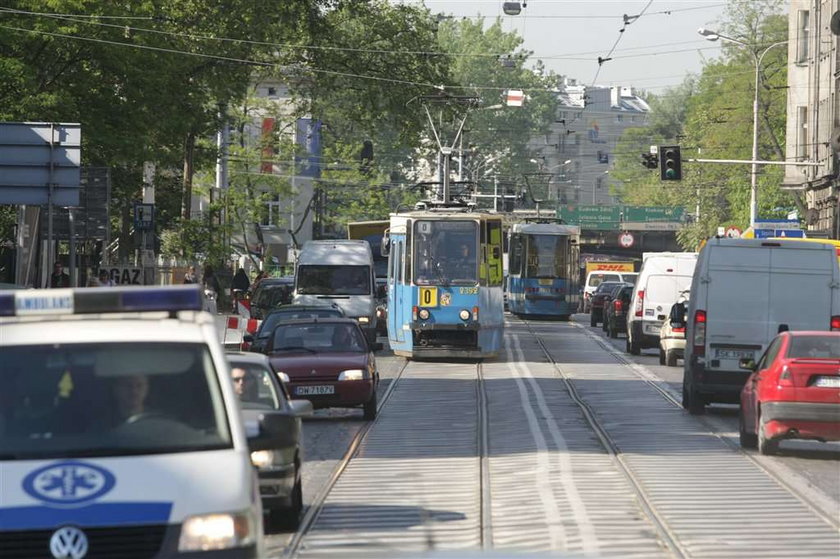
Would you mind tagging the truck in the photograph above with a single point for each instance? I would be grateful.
(598, 272)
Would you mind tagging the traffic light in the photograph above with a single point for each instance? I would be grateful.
(650, 160)
(670, 165)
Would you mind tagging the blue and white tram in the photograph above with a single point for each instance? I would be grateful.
(543, 270)
(445, 273)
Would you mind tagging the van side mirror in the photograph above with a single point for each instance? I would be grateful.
(747, 363)
(276, 429)
(301, 408)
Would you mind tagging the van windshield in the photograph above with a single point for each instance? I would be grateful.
(334, 280)
(111, 399)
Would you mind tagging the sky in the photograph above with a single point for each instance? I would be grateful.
(654, 52)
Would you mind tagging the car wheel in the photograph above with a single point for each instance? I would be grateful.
(691, 400)
(288, 518)
(632, 347)
(767, 447)
(592, 321)
(661, 356)
(748, 440)
(612, 332)
(671, 358)
(370, 408)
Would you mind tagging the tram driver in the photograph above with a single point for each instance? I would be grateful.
(462, 263)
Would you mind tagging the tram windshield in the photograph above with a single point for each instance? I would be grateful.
(547, 256)
(445, 252)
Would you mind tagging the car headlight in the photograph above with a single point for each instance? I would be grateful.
(217, 531)
(424, 314)
(262, 459)
(352, 374)
(465, 314)
(283, 377)
(364, 320)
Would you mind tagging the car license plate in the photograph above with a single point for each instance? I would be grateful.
(828, 382)
(314, 390)
(653, 328)
(721, 353)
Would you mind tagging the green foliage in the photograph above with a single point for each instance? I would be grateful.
(717, 123)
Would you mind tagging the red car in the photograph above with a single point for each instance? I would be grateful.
(793, 392)
(326, 361)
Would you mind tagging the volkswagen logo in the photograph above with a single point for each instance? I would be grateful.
(68, 543)
(68, 483)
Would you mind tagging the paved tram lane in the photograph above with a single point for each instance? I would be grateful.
(556, 445)
(813, 466)
(714, 500)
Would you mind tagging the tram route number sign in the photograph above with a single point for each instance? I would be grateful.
(428, 297)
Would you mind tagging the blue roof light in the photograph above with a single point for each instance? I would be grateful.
(101, 300)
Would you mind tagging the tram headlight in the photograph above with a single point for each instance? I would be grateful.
(465, 314)
(424, 314)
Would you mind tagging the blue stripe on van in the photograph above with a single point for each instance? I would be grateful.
(41, 517)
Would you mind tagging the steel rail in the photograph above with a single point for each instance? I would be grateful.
(483, 433)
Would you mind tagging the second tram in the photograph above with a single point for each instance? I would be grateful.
(445, 274)
(543, 274)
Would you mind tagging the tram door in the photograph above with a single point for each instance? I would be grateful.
(400, 314)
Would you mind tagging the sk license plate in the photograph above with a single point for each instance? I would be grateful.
(721, 353)
(828, 382)
(314, 390)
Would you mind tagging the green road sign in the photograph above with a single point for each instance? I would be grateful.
(613, 218)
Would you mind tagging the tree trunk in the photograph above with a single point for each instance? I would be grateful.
(186, 202)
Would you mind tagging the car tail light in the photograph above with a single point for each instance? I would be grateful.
(414, 311)
(640, 301)
(678, 330)
(785, 378)
(835, 323)
(699, 332)
(617, 305)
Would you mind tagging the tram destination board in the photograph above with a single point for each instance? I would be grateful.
(622, 217)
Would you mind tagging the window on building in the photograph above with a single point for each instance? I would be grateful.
(619, 118)
(272, 92)
(603, 157)
(803, 22)
(802, 132)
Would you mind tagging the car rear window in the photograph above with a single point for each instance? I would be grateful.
(814, 347)
(597, 279)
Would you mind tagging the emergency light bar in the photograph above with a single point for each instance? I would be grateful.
(44, 302)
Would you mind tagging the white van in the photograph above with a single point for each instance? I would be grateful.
(120, 430)
(744, 292)
(340, 272)
(664, 275)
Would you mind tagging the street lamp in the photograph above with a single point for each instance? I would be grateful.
(714, 36)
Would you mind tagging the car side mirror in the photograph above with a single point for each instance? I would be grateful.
(301, 408)
(276, 429)
(747, 363)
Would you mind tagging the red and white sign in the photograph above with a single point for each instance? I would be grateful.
(626, 240)
(733, 232)
(515, 98)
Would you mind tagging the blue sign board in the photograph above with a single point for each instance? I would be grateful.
(770, 233)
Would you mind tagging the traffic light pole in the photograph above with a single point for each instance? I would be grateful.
(755, 162)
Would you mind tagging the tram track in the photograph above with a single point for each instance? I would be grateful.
(696, 487)
(674, 399)
(312, 512)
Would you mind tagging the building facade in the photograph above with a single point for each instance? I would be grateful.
(813, 112)
(580, 149)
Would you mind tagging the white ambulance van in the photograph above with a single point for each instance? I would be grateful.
(339, 272)
(120, 431)
(744, 292)
(663, 276)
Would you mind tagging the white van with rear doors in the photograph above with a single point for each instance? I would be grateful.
(744, 292)
(339, 272)
(664, 275)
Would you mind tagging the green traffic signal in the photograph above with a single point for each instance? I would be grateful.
(670, 165)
